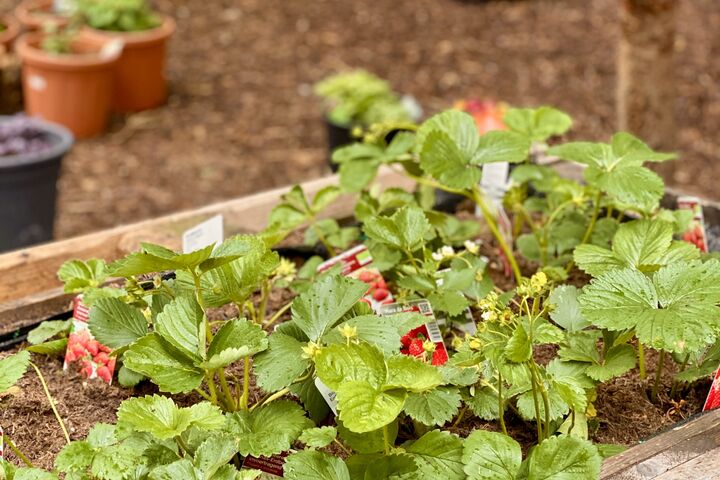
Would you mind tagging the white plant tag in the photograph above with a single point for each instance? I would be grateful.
(329, 395)
(495, 180)
(206, 233)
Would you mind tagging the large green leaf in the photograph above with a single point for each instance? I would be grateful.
(566, 309)
(181, 325)
(269, 429)
(116, 324)
(618, 360)
(341, 363)
(327, 301)
(406, 229)
(675, 310)
(412, 374)
(443, 159)
(12, 368)
(501, 146)
(166, 366)
(279, 365)
(318, 437)
(316, 465)
(564, 458)
(491, 456)
(163, 419)
(363, 407)
(438, 455)
(645, 245)
(214, 453)
(236, 339)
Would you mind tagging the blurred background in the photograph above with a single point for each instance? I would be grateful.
(241, 115)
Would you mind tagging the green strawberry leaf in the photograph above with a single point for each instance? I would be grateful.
(491, 456)
(48, 329)
(181, 325)
(282, 362)
(618, 360)
(435, 407)
(236, 339)
(116, 324)
(269, 429)
(318, 437)
(12, 368)
(163, 419)
(537, 124)
(166, 366)
(368, 442)
(438, 455)
(566, 309)
(340, 363)
(78, 275)
(214, 453)
(564, 458)
(406, 229)
(363, 407)
(411, 374)
(75, 457)
(316, 465)
(444, 160)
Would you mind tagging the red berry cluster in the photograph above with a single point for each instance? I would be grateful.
(377, 286)
(412, 344)
(85, 350)
(696, 237)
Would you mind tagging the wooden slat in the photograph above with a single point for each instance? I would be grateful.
(30, 290)
(663, 456)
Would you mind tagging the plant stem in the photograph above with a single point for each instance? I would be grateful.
(501, 404)
(52, 402)
(279, 313)
(386, 439)
(210, 378)
(413, 260)
(229, 400)
(206, 326)
(182, 444)
(675, 383)
(273, 397)
(245, 397)
(593, 219)
(658, 375)
(263, 302)
(460, 416)
(17, 452)
(342, 447)
(322, 239)
(536, 404)
(203, 394)
(492, 224)
(641, 359)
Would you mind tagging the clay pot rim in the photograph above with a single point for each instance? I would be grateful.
(12, 29)
(139, 38)
(63, 141)
(27, 48)
(25, 14)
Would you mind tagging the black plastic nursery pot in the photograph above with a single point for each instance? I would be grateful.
(338, 136)
(28, 190)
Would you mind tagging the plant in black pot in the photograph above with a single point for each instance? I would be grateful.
(31, 151)
(357, 100)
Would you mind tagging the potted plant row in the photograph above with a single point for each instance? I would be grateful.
(353, 375)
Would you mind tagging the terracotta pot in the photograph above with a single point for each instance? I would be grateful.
(10, 33)
(140, 81)
(35, 14)
(73, 90)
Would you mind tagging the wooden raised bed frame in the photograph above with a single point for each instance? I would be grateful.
(30, 292)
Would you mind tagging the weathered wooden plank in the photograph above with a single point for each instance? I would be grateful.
(704, 467)
(29, 288)
(666, 452)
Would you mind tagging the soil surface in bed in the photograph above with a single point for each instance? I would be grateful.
(241, 116)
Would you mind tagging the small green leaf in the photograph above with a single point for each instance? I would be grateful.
(101, 435)
(12, 368)
(519, 348)
(48, 329)
(235, 339)
(214, 453)
(537, 124)
(279, 365)
(501, 146)
(160, 416)
(406, 229)
(318, 437)
(363, 407)
(411, 374)
(566, 309)
(339, 363)
(180, 324)
(435, 407)
(75, 457)
(53, 347)
(618, 360)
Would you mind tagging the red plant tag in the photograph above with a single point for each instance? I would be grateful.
(272, 467)
(83, 352)
(713, 399)
(356, 263)
(696, 233)
(413, 342)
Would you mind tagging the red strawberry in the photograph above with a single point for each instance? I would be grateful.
(406, 339)
(105, 349)
(104, 373)
(381, 283)
(101, 358)
(439, 356)
(366, 276)
(111, 364)
(387, 301)
(380, 294)
(93, 347)
(78, 351)
(416, 348)
(69, 356)
(87, 370)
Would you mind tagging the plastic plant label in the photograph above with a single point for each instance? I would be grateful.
(329, 395)
(272, 467)
(696, 232)
(356, 263)
(414, 342)
(713, 399)
(203, 234)
(83, 352)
